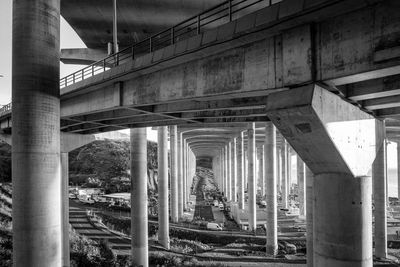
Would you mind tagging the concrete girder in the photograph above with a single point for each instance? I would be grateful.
(82, 56)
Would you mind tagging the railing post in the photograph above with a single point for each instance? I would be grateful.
(198, 24)
(66, 81)
(73, 77)
(150, 44)
(172, 35)
(104, 64)
(230, 10)
(83, 74)
(92, 70)
(133, 52)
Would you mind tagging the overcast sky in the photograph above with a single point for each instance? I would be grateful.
(69, 39)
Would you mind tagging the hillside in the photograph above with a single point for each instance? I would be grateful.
(100, 163)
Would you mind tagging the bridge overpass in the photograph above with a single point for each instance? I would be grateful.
(305, 65)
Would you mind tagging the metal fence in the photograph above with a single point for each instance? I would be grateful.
(217, 15)
(5, 109)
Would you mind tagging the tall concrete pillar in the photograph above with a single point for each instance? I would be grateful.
(139, 218)
(174, 173)
(180, 176)
(226, 163)
(398, 169)
(240, 169)
(261, 167)
(222, 162)
(229, 170)
(36, 171)
(65, 210)
(284, 193)
(163, 211)
(380, 194)
(233, 171)
(279, 170)
(251, 148)
(271, 193)
(334, 241)
(309, 217)
(289, 170)
(301, 185)
(333, 150)
(184, 165)
(246, 170)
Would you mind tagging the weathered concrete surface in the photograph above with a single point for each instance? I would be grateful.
(36, 164)
(310, 217)
(379, 176)
(139, 197)
(163, 199)
(251, 150)
(84, 56)
(233, 171)
(180, 176)
(173, 133)
(271, 189)
(240, 169)
(325, 131)
(301, 185)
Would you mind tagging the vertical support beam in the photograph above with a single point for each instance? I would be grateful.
(174, 173)
(342, 218)
(279, 170)
(180, 177)
(229, 170)
(309, 217)
(65, 209)
(115, 27)
(139, 218)
(270, 185)
(398, 169)
(251, 148)
(226, 173)
(233, 171)
(36, 173)
(240, 169)
(284, 175)
(289, 171)
(380, 194)
(246, 170)
(184, 163)
(301, 185)
(261, 168)
(163, 211)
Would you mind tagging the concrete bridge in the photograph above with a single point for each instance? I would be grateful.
(318, 76)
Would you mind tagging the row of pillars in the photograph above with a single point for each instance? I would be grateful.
(37, 220)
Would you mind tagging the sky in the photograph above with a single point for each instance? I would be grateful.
(69, 39)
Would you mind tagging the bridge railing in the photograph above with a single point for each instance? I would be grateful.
(215, 16)
(5, 109)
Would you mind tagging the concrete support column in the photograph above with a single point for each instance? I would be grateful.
(398, 169)
(279, 170)
(309, 217)
(271, 193)
(289, 171)
(180, 177)
(251, 148)
(184, 169)
(380, 194)
(139, 197)
(246, 170)
(229, 170)
(222, 162)
(261, 167)
(233, 171)
(174, 173)
(65, 210)
(284, 192)
(342, 220)
(163, 211)
(301, 185)
(240, 169)
(226, 166)
(36, 174)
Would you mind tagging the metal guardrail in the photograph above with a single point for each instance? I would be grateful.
(215, 16)
(5, 109)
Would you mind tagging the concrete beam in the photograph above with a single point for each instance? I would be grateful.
(81, 56)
